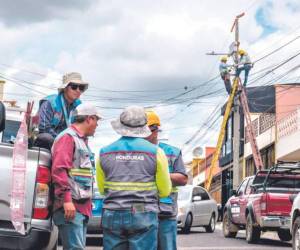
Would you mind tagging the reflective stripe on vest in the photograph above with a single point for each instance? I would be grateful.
(130, 186)
(129, 166)
(81, 175)
(57, 104)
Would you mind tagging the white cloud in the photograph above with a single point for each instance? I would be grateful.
(140, 45)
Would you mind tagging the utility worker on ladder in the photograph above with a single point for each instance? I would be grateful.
(167, 227)
(244, 64)
(224, 72)
(132, 173)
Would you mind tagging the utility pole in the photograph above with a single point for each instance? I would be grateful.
(236, 112)
(2, 82)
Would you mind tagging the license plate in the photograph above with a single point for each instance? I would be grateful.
(235, 210)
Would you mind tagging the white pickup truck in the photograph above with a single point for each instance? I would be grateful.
(40, 233)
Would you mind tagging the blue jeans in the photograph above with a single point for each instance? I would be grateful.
(167, 232)
(246, 68)
(123, 229)
(72, 233)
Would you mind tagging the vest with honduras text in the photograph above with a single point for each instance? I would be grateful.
(80, 177)
(59, 108)
(168, 205)
(129, 166)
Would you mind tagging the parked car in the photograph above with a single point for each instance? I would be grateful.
(262, 203)
(94, 224)
(295, 221)
(196, 208)
(40, 233)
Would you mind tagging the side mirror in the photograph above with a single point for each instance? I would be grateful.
(197, 198)
(2, 117)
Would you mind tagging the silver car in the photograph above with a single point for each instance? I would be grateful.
(196, 208)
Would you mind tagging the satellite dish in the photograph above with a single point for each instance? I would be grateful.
(197, 152)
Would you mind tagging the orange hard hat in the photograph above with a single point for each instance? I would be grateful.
(152, 118)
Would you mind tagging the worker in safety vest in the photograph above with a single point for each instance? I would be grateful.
(55, 110)
(72, 176)
(167, 228)
(244, 64)
(132, 173)
(224, 72)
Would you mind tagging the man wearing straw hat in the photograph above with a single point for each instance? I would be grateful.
(55, 110)
(132, 173)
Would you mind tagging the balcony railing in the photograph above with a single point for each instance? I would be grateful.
(261, 124)
(289, 124)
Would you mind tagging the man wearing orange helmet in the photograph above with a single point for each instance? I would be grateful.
(244, 64)
(167, 228)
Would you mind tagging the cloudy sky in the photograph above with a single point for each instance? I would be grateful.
(150, 53)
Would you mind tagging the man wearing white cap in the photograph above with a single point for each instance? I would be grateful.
(72, 177)
(132, 173)
(55, 110)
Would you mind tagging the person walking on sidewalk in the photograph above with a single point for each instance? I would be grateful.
(55, 110)
(132, 173)
(167, 225)
(72, 177)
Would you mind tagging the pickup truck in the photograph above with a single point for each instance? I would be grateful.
(263, 203)
(40, 233)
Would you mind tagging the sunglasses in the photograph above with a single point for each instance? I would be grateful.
(75, 86)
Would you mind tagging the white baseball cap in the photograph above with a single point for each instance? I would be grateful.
(87, 109)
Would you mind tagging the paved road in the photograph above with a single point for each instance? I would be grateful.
(199, 240)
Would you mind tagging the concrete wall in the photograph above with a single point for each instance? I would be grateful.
(287, 100)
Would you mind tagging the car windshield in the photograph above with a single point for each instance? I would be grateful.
(184, 194)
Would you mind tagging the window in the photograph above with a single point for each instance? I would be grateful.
(242, 187)
(201, 192)
(283, 181)
(248, 188)
(204, 195)
(250, 167)
(10, 133)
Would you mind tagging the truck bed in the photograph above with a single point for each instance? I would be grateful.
(36, 157)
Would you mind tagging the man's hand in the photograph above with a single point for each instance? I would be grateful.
(178, 179)
(70, 210)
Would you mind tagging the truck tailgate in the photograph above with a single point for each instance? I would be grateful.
(278, 204)
(34, 157)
